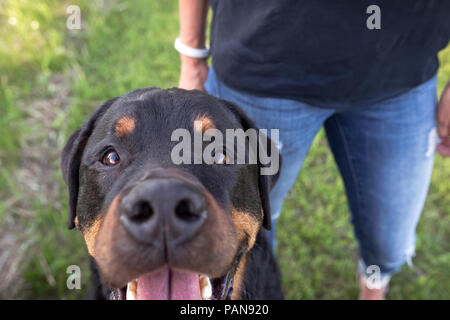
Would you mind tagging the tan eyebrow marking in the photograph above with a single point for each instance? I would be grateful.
(203, 123)
(124, 126)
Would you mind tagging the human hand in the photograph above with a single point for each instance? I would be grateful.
(193, 73)
(443, 120)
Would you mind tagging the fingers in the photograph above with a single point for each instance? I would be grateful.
(444, 147)
(443, 114)
(443, 128)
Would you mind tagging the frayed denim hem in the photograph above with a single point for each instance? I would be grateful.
(374, 278)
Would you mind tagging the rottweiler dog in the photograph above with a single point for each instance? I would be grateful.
(159, 230)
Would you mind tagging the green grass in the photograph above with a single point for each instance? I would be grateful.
(126, 45)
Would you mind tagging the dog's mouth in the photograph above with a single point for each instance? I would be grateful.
(172, 284)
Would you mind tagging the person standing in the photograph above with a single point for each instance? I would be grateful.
(365, 72)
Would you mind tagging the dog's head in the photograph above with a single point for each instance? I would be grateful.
(156, 229)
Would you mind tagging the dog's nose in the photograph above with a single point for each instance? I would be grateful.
(163, 210)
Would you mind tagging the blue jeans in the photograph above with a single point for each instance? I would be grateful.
(384, 152)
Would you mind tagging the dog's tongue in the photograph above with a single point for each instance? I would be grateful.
(170, 284)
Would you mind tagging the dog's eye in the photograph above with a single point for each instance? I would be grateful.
(111, 158)
(220, 157)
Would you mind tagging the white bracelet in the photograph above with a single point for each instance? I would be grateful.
(191, 52)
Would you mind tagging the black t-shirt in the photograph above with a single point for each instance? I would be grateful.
(322, 52)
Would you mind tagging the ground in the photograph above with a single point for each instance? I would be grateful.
(52, 78)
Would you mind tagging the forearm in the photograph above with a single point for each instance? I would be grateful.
(193, 71)
(193, 22)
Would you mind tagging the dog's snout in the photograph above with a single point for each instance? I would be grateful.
(163, 210)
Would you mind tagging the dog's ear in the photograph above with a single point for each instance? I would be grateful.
(265, 182)
(72, 154)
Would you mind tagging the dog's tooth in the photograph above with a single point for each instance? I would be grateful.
(205, 287)
(131, 290)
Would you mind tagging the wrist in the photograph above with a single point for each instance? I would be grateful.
(188, 51)
(191, 62)
(194, 42)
